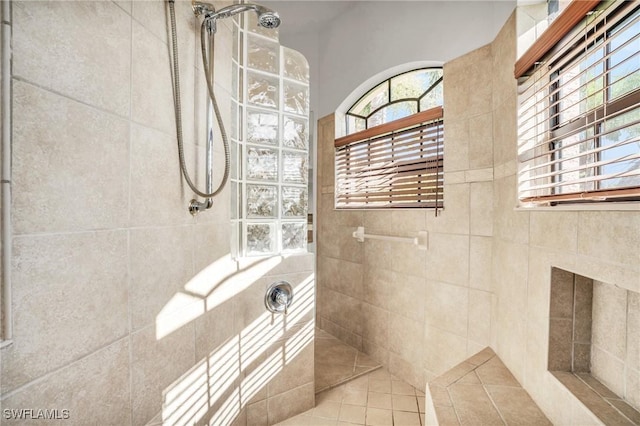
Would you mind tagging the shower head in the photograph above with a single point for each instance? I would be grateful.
(267, 18)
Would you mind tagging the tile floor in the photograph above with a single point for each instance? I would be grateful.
(337, 362)
(376, 398)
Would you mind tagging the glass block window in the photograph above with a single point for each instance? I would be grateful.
(270, 144)
(397, 97)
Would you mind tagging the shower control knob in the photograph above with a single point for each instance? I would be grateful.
(279, 297)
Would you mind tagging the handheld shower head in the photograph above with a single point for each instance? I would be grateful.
(267, 18)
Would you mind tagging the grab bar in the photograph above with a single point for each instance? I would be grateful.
(421, 240)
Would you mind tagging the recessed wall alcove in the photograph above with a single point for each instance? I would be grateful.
(594, 348)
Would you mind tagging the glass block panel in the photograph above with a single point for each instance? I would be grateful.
(262, 201)
(413, 84)
(376, 97)
(393, 112)
(233, 159)
(262, 90)
(256, 28)
(432, 99)
(263, 54)
(234, 200)
(296, 134)
(235, 52)
(260, 238)
(295, 167)
(296, 99)
(262, 163)
(240, 201)
(294, 201)
(294, 236)
(295, 65)
(262, 127)
(234, 120)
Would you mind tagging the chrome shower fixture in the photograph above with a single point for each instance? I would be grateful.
(267, 18)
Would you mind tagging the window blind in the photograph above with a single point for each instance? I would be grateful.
(579, 115)
(398, 164)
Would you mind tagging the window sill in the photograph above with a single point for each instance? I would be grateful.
(622, 206)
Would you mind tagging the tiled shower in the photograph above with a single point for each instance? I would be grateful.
(121, 317)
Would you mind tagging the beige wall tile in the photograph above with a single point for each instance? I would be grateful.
(481, 141)
(456, 148)
(42, 53)
(66, 180)
(158, 192)
(345, 311)
(213, 328)
(608, 369)
(405, 338)
(609, 329)
(328, 216)
(338, 242)
(290, 403)
(632, 391)
(508, 224)
(375, 329)
(510, 272)
(297, 373)
(161, 262)
(503, 50)
(443, 350)
(341, 276)
(157, 365)
(400, 367)
(611, 236)
(555, 230)
(505, 131)
(102, 376)
(633, 329)
(480, 263)
(70, 299)
(448, 258)
(378, 284)
(481, 208)
(480, 317)
(407, 259)
(448, 307)
(151, 96)
(407, 296)
(454, 218)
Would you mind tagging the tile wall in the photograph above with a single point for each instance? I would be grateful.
(485, 279)
(124, 303)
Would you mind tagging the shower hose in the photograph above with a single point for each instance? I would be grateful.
(178, 106)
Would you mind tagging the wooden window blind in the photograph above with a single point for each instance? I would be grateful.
(398, 164)
(579, 115)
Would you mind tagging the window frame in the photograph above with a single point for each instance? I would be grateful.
(349, 113)
(592, 118)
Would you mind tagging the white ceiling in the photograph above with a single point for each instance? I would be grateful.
(306, 15)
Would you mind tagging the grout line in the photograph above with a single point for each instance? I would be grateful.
(71, 363)
(129, 286)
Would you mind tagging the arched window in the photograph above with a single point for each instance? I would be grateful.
(392, 155)
(397, 97)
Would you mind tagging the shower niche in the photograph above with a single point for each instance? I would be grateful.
(593, 346)
(269, 143)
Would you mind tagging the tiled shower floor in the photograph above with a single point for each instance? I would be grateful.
(358, 391)
(337, 362)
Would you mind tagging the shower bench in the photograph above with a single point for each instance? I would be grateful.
(480, 390)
